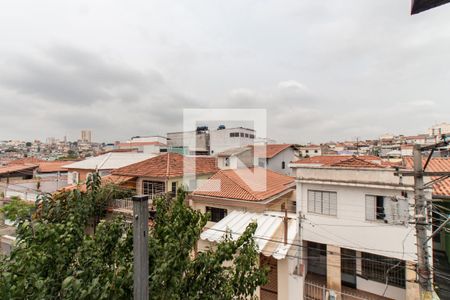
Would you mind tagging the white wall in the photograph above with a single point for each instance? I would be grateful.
(349, 229)
(378, 288)
(287, 155)
(220, 140)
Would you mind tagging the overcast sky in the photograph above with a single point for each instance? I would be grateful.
(324, 70)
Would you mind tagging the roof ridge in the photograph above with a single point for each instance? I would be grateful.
(353, 158)
(238, 184)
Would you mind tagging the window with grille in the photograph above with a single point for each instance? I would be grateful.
(216, 214)
(376, 267)
(153, 188)
(322, 202)
(375, 208)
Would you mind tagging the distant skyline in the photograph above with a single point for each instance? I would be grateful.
(332, 70)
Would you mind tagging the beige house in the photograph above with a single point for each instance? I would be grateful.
(234, 199)
(166, 172)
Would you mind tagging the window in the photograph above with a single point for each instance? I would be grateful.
(283, 165)
(234, 134)
(242, 134)
(153, 188)
(226, 162)
(252, 136)
(375, 208)
(307, 151)
(74, 177)
(216, 214)
(174, 188)
(321, 202)
(316, 151)
(317, 258)
(375, 267)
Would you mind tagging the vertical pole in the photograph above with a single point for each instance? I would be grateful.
(140, 247)
(423, 265)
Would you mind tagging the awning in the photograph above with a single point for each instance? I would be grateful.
(269, 235)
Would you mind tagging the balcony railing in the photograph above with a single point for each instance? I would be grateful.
(126, 204)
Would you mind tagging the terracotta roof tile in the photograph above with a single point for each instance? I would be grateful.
(436, 164)
(269, 150)
(233, 186)
(169, 165)
(53, 166)
(328, 160)
(355, 162)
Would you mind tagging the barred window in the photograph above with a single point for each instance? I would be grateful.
(376, 267)
(153, 188)
(322, 202)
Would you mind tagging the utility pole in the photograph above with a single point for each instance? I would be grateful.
(423, 264)
(140, 247)
(423, 210)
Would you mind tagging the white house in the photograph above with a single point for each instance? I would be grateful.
(275, 157)
(355, 228)
(235, 158)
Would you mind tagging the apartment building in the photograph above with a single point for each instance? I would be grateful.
(189, 142)
(226, 138)
(357, 238)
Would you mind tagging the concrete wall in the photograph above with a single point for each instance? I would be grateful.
(191, 139)
(373, 175)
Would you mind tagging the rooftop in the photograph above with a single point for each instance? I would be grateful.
(269, 150)
(436, 164)
(169, 165)
(255, 184)
(109, 161)
(341, 161)
(53, 166)
(24, 168)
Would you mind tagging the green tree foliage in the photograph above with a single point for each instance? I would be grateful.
(54, 258)
(17, 209)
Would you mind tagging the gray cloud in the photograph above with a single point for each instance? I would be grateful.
(323, 70)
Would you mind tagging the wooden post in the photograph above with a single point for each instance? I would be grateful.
(140, 247)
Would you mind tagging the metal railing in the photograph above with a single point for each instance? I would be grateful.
(127, 204)
(318, 291)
